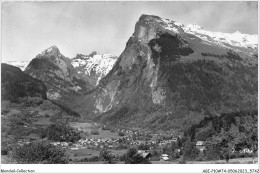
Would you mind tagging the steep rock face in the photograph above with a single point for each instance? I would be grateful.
(56, 71)
(169, 78)
(15, 83)
(93, 67)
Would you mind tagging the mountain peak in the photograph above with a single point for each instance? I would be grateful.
(51, 51)
(145, 16)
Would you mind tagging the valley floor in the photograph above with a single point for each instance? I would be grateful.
(23, 123)
(5, 160)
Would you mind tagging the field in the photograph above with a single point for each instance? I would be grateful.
(87, 127)
(82, 153)
(85, 153)
(42, 121)
(5, 159)
(77, 155)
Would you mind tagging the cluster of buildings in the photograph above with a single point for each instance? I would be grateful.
(129, 138)
(97, 143)
(165, 142)
(201, 145)
(62, 144)
(91, 143)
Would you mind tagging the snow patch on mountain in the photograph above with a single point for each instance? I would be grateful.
(170, 25)
(20, 64)
(101, 63)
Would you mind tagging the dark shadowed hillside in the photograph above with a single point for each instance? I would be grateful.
(15, 83)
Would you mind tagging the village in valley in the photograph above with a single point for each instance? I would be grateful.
(83, 142)
(118, 141)
(95, 138)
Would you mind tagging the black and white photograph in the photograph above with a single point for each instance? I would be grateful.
(101, 83)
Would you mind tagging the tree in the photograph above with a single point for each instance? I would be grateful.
(61, 132)
(121, 134)
(226, 152)
(94, 132)
(212, 152)
(155, 155)
(253, 140)
(144, 147)
(132, 157)
(224, 141)
(39, 152)
(203, 133)
(106, 156)
(190, 151)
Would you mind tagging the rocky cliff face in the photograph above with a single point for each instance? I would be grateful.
(15, 84)
(170, 76)
(56, 71)
(93, 67)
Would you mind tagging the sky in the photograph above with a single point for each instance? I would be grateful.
(28, 28)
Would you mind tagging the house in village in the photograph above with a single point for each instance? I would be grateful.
(201, 145)
(165, 157)
(144, 154)
(246, 150)
(74, 148)
(64, 144)
(34, 137)
(174, 139)
(53, 143)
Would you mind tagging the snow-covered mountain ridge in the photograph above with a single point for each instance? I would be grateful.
(235, 39)
(94, 66)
